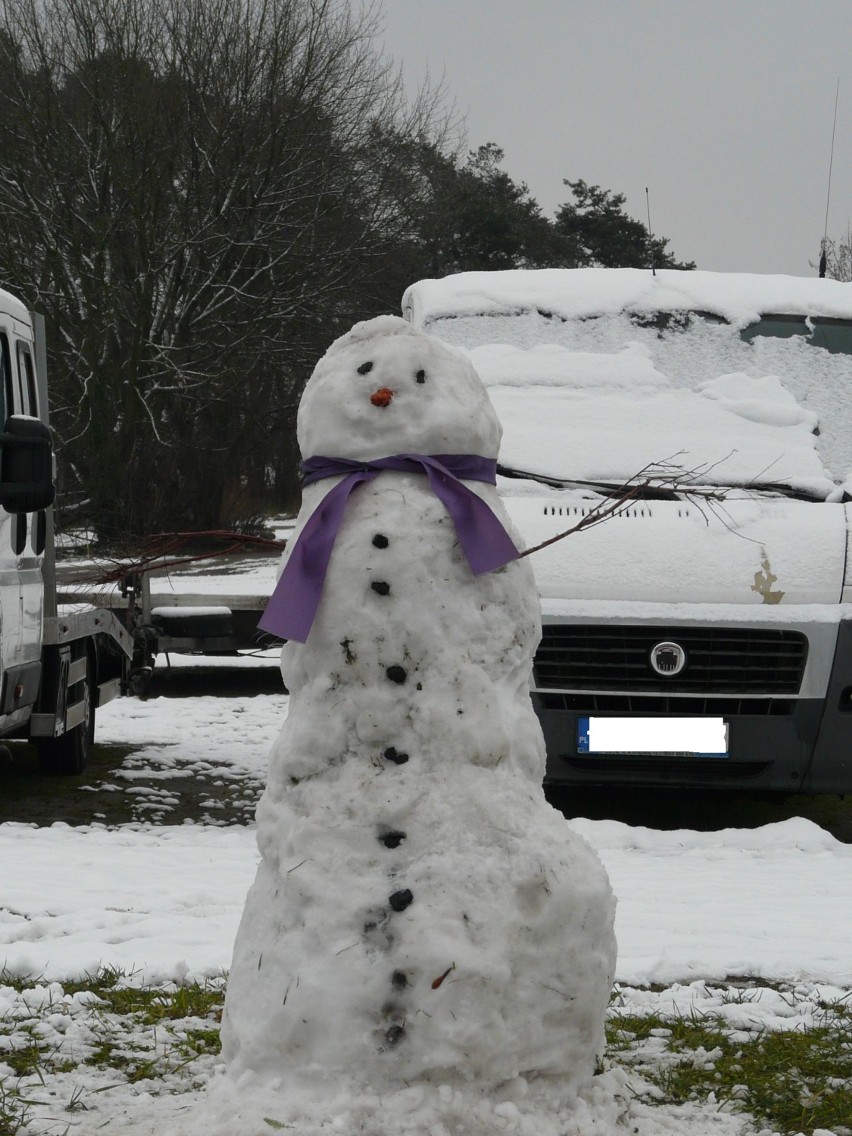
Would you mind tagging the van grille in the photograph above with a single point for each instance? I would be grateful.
(719, 660)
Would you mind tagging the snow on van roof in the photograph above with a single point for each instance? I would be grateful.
(577, 293)
(12, 306)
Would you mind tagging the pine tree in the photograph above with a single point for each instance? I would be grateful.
(605, 236)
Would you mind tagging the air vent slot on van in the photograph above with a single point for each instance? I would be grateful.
(585, 511)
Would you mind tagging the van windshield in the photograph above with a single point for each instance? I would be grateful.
(834, 335)
(594, 400)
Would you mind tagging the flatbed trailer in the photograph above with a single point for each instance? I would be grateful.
(181, 604)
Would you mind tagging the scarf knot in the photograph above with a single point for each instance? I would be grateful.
(484, 541)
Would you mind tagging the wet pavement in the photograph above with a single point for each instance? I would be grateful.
(156, 782)
(175, 782)
(703, 810)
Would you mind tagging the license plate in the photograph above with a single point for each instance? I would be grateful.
(673, 737)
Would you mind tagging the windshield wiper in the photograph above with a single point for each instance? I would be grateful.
(604, 488)
(778, 489)
(651, 492)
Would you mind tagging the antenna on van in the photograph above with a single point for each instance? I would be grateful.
(650, 232)
(823, 259)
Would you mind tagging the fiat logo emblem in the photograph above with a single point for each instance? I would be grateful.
(668, 659)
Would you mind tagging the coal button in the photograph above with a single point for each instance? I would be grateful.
(392, 839)
(400, 899)
(391, 754)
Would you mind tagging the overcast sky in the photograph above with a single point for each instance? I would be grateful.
(722, 108)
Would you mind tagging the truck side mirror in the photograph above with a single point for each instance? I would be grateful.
(26, 465)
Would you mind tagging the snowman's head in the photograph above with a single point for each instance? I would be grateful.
(386, 388)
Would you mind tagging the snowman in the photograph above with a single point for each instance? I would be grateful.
(420, 914)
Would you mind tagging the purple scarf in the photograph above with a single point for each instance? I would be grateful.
(485, 543)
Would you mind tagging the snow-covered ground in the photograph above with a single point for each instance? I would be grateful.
(774, 902)
(695, 912)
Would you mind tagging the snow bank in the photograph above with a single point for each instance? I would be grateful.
(774, 901)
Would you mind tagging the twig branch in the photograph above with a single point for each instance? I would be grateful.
(657, 476)
(595, 516)
(156, 556)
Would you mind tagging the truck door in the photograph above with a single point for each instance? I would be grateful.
(21, 539)
(11, 597)
(28, 529)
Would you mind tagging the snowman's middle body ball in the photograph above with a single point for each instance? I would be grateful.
(419, 911)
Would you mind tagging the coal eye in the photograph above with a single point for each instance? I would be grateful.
(365, 368)
(421, 376)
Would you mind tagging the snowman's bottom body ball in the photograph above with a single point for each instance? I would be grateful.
(419, 912)
(443, 957)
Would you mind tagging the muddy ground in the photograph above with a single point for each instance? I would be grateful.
(106, 793)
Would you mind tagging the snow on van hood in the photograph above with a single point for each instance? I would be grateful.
(578, 293)
(737, 551)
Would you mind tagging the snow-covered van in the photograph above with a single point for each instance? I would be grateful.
(56, 665)
(694, 429)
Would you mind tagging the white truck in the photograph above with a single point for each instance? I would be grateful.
(56, 665)
(701, 635)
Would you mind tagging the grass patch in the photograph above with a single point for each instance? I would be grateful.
(781, 1056)
(151, 1006)
(101, 1032)
(794, 1080)
(202, 1041)
(24, 1059)
(14, 1112)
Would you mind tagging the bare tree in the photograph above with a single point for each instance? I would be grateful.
(838, 258)
(183, 192)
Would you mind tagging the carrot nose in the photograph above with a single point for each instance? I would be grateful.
(381, 397)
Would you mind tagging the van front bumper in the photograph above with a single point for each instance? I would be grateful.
(783, 688)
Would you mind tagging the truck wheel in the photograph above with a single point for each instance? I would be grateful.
(68, 754)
